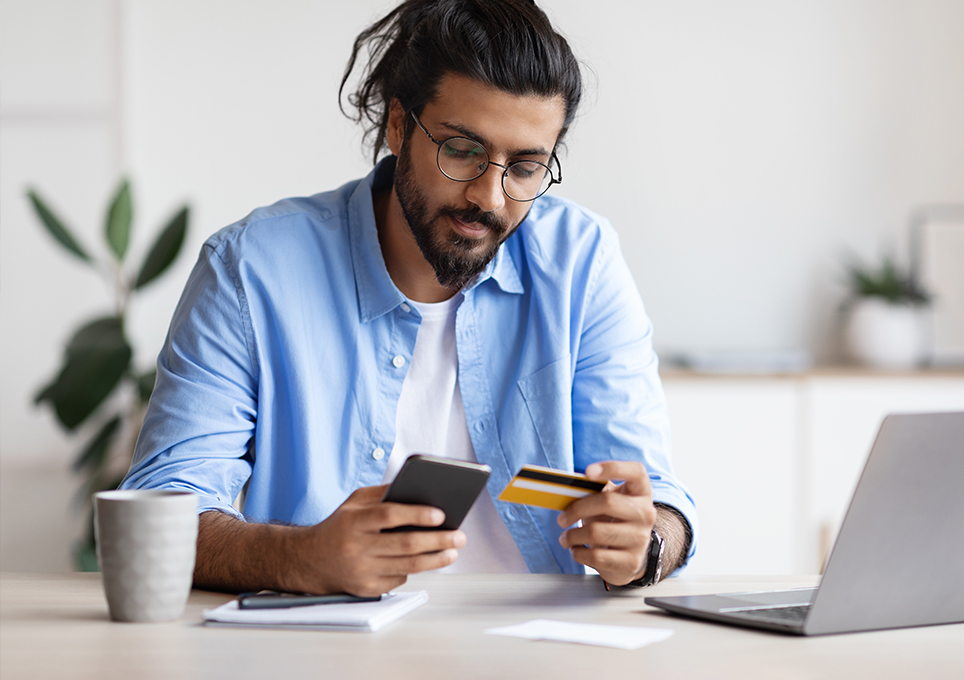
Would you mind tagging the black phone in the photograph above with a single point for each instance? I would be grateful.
(450, 485)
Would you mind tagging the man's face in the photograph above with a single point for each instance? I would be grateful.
(459, 226)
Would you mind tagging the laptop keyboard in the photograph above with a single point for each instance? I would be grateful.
(788, 616)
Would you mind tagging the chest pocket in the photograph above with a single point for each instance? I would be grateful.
(548, 398)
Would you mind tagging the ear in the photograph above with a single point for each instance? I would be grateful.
(395, 130)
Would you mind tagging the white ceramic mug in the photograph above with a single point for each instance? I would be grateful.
(146, 544)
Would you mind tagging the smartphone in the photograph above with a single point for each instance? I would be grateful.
(450, 485)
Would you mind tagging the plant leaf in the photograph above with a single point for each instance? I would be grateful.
(119, 217)
(85, 558)
(56, 227)
(145, 385)
(94, 454)
(164, 250)
(886, 282)
(95, 361)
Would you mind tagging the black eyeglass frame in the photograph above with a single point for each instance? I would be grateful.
(489, 161)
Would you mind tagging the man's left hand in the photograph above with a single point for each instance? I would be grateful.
(616, 524)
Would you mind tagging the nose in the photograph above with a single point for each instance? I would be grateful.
(486, 190)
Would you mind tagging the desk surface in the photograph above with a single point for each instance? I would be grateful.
(56, 626)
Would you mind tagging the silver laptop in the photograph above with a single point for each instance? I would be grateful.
(899, 557)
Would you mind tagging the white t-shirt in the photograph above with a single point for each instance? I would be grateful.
(431, 420)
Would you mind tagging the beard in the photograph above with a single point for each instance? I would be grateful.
(455, 259)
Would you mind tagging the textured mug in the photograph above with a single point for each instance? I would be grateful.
(146, 544)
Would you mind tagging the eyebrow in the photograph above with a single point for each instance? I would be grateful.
(487, 143)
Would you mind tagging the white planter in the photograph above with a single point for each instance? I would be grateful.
(886, 335)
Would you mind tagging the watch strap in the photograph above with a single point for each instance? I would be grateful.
(654, 562)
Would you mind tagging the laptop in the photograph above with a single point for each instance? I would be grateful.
(898, 560)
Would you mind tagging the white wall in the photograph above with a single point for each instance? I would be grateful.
(771, 137)
(739, 147)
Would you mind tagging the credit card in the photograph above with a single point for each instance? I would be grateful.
(548, 488)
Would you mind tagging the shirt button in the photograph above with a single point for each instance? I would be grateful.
(406, 307)
(378, 453)
(398, 361)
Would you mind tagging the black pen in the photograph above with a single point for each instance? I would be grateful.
(267, 599)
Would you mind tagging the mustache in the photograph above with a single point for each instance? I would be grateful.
(487, 220)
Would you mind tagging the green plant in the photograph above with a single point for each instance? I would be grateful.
(97, 385)
(886, 282)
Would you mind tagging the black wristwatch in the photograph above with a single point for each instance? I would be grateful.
(654, 562)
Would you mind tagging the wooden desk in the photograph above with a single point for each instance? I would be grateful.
(56, 626)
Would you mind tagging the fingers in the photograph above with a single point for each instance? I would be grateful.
(380, 516)
(391, 557)
(617, 567)
(601, 534)
(618, 502)
(631, 473)
(609, 506)
(375, 519)
(413, 564)
(409, 543)
(616, 550)
(384, 574)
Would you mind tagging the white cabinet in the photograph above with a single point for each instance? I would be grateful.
(734, 447)
(843, 415)
(772, 460)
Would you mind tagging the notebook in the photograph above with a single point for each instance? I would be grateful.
(898, 560)
(357, 616)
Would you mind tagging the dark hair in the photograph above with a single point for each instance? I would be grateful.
(508, 44)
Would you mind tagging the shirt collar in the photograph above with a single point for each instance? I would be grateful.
(377, 293)
(502, 269)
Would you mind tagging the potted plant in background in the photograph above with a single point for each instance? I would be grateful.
(887, 324)
(98, 386)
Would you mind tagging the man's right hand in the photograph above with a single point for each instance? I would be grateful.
(347, 552)
(359, 558)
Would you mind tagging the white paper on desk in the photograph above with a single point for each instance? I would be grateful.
(621, 637)
(358, 616)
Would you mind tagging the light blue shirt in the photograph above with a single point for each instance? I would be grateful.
(287, 352)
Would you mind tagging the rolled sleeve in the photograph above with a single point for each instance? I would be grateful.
(619, 407)
(198, 434)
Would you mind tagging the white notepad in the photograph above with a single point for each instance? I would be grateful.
(357, 616)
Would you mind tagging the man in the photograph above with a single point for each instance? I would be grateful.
(441, 305)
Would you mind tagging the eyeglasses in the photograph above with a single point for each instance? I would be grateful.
(463, 160)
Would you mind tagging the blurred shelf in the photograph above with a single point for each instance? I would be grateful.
(820, 371)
